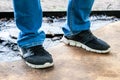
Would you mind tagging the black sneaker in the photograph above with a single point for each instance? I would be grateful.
(88, 41)
(37, 57)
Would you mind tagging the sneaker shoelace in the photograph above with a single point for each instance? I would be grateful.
(37, 50)
(86, 36)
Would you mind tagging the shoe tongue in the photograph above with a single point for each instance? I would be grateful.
(38, 50)
(85, 33)
(35, 48)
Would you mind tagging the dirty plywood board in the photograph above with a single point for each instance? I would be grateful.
(73, 63)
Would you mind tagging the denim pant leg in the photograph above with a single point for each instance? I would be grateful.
(28, 16)
(77, 16)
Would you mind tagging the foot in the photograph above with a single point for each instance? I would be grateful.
(88, 41)
(37, 57)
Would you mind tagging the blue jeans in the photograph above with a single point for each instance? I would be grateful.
(28, 16)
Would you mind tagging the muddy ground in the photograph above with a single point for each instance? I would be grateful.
(7, 45)
(8, 34)
(60, 5)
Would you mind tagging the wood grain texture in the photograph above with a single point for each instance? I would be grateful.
(73, 63)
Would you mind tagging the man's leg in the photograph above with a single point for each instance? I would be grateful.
(28, 16)
(78, 16)
(77, 29)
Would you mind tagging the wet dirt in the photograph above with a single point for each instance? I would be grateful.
(8, 33)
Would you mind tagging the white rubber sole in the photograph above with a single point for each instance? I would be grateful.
(78, 44)
(46, 65)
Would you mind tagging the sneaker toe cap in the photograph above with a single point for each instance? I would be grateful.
(98, 44)
(39, 60)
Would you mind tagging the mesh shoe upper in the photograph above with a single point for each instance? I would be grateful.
(88, 39)
(36, 55)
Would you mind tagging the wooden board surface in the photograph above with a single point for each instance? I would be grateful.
(73, 63)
